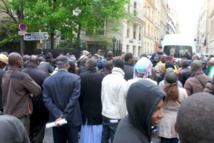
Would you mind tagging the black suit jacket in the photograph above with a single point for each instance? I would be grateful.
(1, 75)
(40, 113)
(90, 99)
(60, 95)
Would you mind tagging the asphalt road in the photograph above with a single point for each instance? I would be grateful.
(49, 136)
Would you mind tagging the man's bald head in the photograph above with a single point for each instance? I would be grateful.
(34, 59)
(195, 119)
(91, 63)
(15, 59)
(196, 65)
(110, 54)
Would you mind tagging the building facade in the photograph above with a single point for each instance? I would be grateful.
(210, 37)
(149, 27)
(171, 18)
(202, 28)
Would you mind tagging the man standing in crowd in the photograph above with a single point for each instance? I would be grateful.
(12, 130)
(145, 109)
(90, 101)
(110, 56)
(113, 99)
(196, 83)
(39, 116)
(83, 59)
(128, 67)
(108, 66)
(3, 62)
(3, 67)
(185, 73)
(17, 87)
(195, 119)
(60, 95)
(45, 66)
(156, 55)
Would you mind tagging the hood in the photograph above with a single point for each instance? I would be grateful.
(12, 130)
(142, 98)
(118, 71)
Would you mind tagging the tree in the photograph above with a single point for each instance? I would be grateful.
(70, 17)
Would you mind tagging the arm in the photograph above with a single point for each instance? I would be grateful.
(50, 68)
(188, 87)
(122, 99)
(31, 85)
(73, 99)
(180, 78)
(152, 59)
(52, 108)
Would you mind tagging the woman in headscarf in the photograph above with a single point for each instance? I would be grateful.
(142, 69)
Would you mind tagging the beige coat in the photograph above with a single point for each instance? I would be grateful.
(166, 126)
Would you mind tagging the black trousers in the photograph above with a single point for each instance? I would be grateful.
(65, 134)
(37, 133)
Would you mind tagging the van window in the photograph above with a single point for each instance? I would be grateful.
(178, 51)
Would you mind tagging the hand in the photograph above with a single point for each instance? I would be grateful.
(57, 124)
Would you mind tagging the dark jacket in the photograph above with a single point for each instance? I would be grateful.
(184, 75)
(82, 68)
(60, 95)
(1, 75)
(16, 89)
(136, 126)
(40, 113)
(154, 57)
(128, 70)
(12, 130)
(105, 71)
(90, 98)
(192, 85)
(46, 67)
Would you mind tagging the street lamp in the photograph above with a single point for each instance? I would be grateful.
(114, 40)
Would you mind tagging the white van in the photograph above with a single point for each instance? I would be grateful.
(179, 46)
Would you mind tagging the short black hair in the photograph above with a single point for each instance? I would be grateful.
(195, 119)
(171, 77)
(196, 65)
(185, 63)
(91, 63)
(169, 65)
(108, 65)
(118, 62)
(128, 56)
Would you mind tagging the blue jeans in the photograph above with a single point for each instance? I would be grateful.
(65, 134)
(109, 129)
(166, 140)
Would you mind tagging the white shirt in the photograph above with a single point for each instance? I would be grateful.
(113, 94)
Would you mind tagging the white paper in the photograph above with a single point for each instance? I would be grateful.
(53, 124)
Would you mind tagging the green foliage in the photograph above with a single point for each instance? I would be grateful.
(8, 34)
(70, 16)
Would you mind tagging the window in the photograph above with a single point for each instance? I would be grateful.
(134, 50)
(139, 36)
(139, 51)
(134, 32)
(128, 9)
(127, 48)
(135, 9)
(127, 33)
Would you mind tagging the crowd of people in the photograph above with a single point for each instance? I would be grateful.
(118, 99)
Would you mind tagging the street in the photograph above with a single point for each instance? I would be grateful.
(48, 136)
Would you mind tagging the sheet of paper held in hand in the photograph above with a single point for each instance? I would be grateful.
(54, 124)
